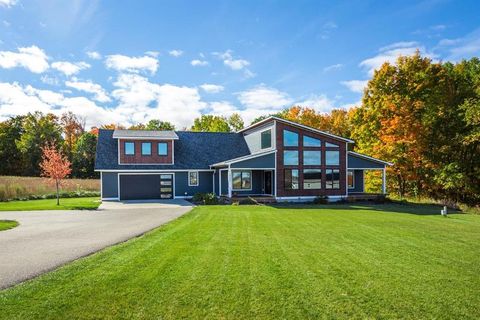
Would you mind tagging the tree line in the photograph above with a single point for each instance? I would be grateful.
(421, 115)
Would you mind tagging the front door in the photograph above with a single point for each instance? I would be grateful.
(267, 182)
(166, 186)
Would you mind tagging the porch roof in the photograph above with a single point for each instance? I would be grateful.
(361, 161)
(226, 163)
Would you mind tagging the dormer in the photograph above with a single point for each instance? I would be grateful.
(145, 146)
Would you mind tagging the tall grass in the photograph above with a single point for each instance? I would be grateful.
(12, 187)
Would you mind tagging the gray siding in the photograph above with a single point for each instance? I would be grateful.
(205, 184)
(266, 161)
(355, 162)
(253, 139)
(109, 185)
(358, 181)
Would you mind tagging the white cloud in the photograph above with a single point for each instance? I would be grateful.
(95, 55)
(332, 67)
(229, 61)
(462, 48)
(222, 108)
(8, 3)
(327, 29)
(31, 58)
(320, 103)
(355, 85)
(264, 98)
(152, 53)
(88, 86)
(70, 68)
(175, 53)
(211, 88)
(132, 64)
(199, 63)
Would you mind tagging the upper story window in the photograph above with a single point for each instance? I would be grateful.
(162, 149)
(331, 145)
(311, 142)
(290, 139)
(193, 178)
(290, 157)
(129, 148)
(312, 158)
(332, 158)
(146, 148)
(266, 139)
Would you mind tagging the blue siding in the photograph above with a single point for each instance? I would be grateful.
(266, 161)
(358, 181)
(257, 184)
(205, 184)
(109, 185)
(362, 163)
(216, 182)
(224, 182)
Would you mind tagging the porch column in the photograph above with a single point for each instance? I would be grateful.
(384, 181)
(229, 182)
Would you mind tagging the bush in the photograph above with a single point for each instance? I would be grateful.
(63, 194)
(320, 200)
(205, 198)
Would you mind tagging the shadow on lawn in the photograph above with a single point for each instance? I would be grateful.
(395, 207)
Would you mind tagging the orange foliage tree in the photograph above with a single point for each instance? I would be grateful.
(54, 166)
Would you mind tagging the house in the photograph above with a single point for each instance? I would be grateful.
(274, 157)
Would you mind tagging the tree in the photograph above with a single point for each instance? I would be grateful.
(235, 122)
(54, 166)
(211, 123)
(155, 124)
(73, 127)
(138, 126)
(10, 156)
(38, 130)
(83, 163)
(112, 126)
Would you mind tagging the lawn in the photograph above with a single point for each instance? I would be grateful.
(7, 224)
(244, 262)
(51, 204)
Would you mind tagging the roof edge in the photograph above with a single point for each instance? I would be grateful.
(370, 158)
(242, 158)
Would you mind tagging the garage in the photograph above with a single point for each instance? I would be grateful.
(146, 186)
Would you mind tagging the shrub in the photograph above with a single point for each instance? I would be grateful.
(320, 200)
(205, 198)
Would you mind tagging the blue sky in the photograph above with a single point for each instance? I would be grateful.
(130, 61)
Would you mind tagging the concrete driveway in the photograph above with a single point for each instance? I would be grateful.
(45, 240)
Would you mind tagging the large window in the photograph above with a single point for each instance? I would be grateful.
(242, 180)
(332, 179)
(193, 178)
(350, 179)
(291, 179)
(332, 158)
(290, 157)
(331, 145)
(129, 148)
(311, 158)
(266, 137)
(290, 139)
(162, 149)
(146, 148)
(312, 179)
(311, 142)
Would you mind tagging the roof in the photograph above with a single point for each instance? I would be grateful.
(271, 118)
(249, 156)
(145, 134)
(356, 154)
(193, 150)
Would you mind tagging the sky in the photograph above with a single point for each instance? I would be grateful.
(127, 62)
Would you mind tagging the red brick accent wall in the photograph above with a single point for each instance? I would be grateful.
(139, 158)
(281, 191)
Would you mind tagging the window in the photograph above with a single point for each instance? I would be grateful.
(290, 139)
(129, 148)
(291, 179)
(146, 148)
(350, 179)
(193, 178)
(266, 137)
(312, 179)
(332, 179)
(242, 180)
(311, 142)
(331, 145)
(311, 158)
(290, 157)
(332, 158)
(162, 149)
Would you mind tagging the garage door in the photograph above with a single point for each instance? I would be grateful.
(147, 186)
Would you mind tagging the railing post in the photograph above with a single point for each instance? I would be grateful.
(229, 182)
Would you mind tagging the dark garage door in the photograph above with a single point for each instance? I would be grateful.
(142, 187)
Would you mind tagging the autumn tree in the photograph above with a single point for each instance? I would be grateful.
(54, 166)
(73, 127)
(83, 160)
(10, 156)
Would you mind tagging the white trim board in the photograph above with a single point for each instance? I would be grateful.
(153, 170)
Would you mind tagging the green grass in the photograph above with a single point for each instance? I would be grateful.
(244, 262)
(7, 224)
(51, 204)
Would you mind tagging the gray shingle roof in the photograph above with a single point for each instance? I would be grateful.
(148, 134)
(193, 150)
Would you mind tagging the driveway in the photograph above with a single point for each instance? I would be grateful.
(45, 240)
